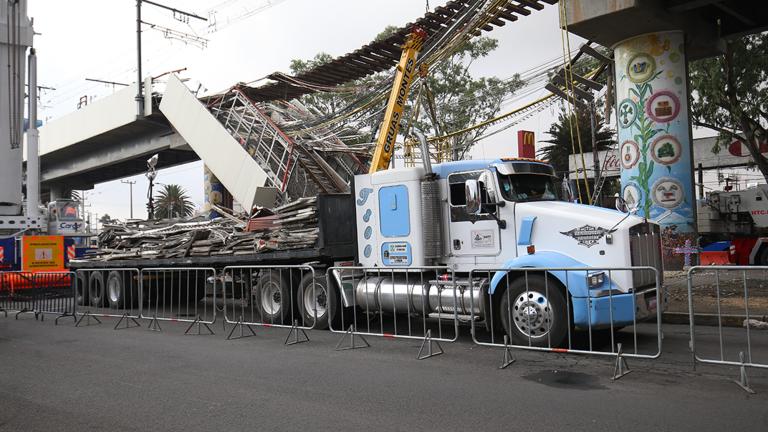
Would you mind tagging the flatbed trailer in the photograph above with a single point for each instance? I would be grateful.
(113, 284)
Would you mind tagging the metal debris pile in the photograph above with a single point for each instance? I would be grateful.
(292, 226)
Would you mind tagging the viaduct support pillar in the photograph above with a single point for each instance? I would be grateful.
(654, 135)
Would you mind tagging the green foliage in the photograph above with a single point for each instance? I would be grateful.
(730, 93)
(172, 202)
(560, 149)
(460, 99)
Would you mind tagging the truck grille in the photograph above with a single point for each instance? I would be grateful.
(645, 250)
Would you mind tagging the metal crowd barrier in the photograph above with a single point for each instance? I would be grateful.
(283, 296)
(533, 309)
(177, 294)
(38, 293)
(419, 303)
(732, 287)
(110, 292)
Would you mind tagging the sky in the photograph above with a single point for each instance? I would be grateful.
(245, 41)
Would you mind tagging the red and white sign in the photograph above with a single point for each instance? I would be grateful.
(2, 254)
(737, 148)
(71, 252)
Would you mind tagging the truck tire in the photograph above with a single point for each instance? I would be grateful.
(81, 289)
(275, 298)
(538, 315)
(316, 301)
(96, 289)
(121, 293)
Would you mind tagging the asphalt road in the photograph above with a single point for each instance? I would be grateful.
(95, 378)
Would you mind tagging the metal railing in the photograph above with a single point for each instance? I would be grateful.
(568, 310)
(419, 303)
(284, 296)
(179, 294)
(734, 290)
(38, 293)
(109, 292)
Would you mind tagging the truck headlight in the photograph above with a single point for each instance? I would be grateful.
(595, 280)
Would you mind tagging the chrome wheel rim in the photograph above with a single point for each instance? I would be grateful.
(270, 299)
(113, 288)
(532, 314)
(315, 301)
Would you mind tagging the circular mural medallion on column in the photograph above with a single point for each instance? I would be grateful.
(666, 150)
(667, 192)
(627, 113)
(641, 68)
(663, 106)
(629, 153)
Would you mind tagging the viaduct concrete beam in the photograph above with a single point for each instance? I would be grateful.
(705, 23)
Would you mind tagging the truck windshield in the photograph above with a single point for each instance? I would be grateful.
(527, 187)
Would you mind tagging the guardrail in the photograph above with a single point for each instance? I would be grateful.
(38, 293)
(110, 292)
(283, 296)
(176, 294)
(732, 287)
(567, 310)
(413, 303)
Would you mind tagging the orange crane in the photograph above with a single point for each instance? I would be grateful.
(404, 76)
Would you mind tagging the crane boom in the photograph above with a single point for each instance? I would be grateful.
(406, 70)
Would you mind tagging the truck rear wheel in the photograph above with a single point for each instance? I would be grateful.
(316, 303)
(81, 289)
(275, 300)
(96, 289)
(121, 293)
(535, 316)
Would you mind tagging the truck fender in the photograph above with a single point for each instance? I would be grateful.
(575, 281)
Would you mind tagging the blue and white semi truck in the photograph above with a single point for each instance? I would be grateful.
(501, 215)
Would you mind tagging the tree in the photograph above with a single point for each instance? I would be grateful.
(562, 146)
(460, 99)
(106, 219)
(730, 94)
(172, 201)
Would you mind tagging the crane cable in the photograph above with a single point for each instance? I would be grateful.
(568, 72)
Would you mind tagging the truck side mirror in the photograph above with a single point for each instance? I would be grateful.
(472, 196)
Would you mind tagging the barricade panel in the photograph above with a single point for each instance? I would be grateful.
(414, 303)
(734, 302)
(568, 310)
(111, 292)
(289, 296)
(178, 294)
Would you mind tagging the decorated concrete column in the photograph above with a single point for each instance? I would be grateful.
(215, 193)
(654, 134)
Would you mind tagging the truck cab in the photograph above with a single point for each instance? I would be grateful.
(503, 215)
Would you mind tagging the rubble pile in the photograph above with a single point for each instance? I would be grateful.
(292, 226)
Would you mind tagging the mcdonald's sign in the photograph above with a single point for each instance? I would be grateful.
(526, 144)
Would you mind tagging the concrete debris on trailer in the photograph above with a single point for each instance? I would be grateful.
(292, 226)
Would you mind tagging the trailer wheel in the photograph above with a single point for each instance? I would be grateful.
(96, 289)
(121, 293)
(275, 301)
(81, 289)
(316, 302)
(536, 315)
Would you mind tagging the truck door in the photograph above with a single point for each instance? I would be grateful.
(481, 238)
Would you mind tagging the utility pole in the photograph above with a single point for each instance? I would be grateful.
(130, 183)
(139, 79)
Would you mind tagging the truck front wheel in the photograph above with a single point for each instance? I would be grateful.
(536, 315)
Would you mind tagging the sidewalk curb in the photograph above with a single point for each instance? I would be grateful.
(709, 319)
